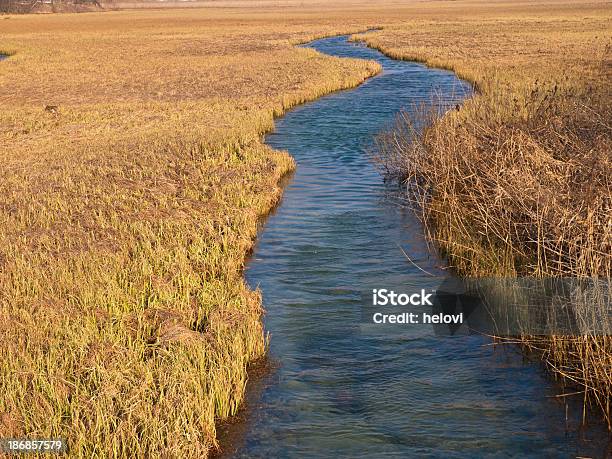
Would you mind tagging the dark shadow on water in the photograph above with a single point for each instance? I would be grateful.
(231, 433)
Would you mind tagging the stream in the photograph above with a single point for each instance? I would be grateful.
(342, 388)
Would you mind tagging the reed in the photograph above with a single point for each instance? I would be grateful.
(516, 182)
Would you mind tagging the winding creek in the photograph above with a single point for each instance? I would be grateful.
(341, 389)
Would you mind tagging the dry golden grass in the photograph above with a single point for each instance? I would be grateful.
(126, 215)
(510, 46)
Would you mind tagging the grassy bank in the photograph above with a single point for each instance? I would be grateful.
(126, 214)
(517, 181)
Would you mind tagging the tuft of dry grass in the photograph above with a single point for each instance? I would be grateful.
(517, 181)
(517, 196)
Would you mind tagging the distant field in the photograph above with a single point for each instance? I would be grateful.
(133, 175)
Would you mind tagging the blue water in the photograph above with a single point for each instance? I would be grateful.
(344, 389)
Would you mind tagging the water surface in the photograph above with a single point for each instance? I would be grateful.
(342, 389)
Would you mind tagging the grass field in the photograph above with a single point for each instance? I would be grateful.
(125, 218)
(127, 212)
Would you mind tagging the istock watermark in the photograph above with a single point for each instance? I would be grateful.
(421, 307)
(383, 297)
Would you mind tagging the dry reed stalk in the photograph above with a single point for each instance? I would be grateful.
(506, 194)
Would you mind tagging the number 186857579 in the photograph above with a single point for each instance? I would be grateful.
(29, 445)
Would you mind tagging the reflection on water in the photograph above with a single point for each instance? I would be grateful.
(339, 390)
